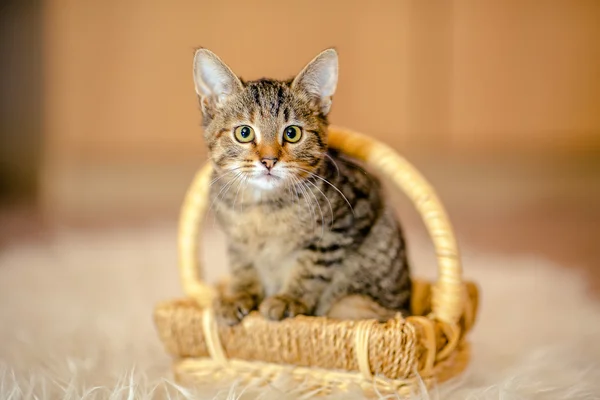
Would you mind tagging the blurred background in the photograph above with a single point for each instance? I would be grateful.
(496, 102)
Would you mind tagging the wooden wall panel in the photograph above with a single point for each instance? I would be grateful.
(460, 78)
(526, 76)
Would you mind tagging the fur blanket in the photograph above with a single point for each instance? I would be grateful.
(75, 323)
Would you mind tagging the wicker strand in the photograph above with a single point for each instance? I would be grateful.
(211, 335)
(190, 223)
(453, 334)
(428, 339)
(362, 334)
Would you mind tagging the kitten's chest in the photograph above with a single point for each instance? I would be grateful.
(265, 232)
(270, 239)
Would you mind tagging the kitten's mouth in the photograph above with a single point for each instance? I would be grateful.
(266, 180)
(269, 177)
(268, 174)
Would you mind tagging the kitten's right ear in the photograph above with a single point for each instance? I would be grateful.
(319, 79)
(214, 80)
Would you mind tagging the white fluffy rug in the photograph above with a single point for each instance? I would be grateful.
(75, 322)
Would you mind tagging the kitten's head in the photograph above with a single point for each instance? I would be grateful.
(270, 132)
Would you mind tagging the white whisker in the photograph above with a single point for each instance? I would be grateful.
(330, 184)
(307, 199)
(227, 172)
(320, 210)
(334, 163)
(242, 181)
(225, 187)
(296, 190)
(328, 202)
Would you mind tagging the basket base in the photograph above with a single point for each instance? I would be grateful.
(316, 381)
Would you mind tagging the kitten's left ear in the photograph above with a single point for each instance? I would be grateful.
(319, 79)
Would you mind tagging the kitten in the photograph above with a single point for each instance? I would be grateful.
(307, 230)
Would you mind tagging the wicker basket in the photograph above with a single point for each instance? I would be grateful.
(396, 355)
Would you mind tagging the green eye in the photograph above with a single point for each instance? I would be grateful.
(244, 134)
(292, 134)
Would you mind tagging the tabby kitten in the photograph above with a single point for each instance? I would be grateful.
(307, 230)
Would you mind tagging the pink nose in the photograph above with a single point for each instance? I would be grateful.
(269, 162)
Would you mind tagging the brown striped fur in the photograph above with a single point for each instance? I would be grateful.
(308, 231)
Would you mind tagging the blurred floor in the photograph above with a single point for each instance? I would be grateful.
(553, 212)
(548, 212)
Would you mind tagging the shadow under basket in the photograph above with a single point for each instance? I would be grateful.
(323, 354)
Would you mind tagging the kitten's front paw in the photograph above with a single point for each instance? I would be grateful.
(279, 307)
(230, 310)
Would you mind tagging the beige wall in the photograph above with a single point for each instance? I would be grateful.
(462, 78)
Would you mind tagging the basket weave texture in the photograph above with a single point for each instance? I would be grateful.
(431, 345)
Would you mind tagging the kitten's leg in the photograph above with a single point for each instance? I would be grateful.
(355, 307)
(243, 292)
(303, 288)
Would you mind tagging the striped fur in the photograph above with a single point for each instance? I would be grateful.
(314, 235)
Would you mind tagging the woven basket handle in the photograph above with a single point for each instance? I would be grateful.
(447, 293)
